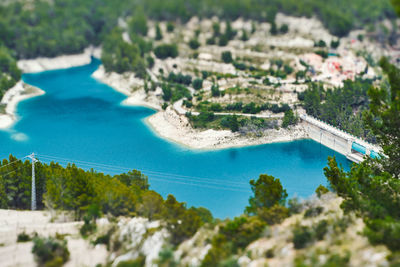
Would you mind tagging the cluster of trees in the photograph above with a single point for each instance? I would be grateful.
(282, 30)
(266, 207)
(250, 108)
(44, 28)
(342, 107)
(289, 118)
(120, 56)
(174, 92)
(164, 51)
(208, 120)
(73, 189)
(179, 78)
(278, 69)
(220, 38)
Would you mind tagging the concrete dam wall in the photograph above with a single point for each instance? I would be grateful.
(353, 148)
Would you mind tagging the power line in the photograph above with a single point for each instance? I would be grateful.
(168, 177)
(1, 174)
(202, 185)
(11, 162)
(194, 182)
(153, 173)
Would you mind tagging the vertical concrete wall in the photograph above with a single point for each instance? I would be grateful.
(328, 139)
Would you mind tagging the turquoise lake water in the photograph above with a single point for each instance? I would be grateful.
(82, 120)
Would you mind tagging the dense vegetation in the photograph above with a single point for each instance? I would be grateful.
(371, 188)
(120, 56)
(9, 72)
(45, 28)
(88, 193)
(342, 107)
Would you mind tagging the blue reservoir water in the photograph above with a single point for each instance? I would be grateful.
(82, 120)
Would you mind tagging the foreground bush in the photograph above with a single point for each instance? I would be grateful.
(50, 252)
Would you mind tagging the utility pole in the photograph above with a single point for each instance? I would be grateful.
(33, 194)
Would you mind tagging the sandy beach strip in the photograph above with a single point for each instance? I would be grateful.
(176, 128)
(60, 62)
(12, 97)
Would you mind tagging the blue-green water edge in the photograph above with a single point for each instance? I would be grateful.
(82, 119)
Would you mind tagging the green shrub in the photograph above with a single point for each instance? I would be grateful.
(88, 227)
(289, 119)
(230, 122)
(223, 40)
(321, 190)
(167, 92)
(215, 92)
(226, 56)
(239, 65)
(284, 28)
(302, 236)
(384, 231)
(166, 50)
(105, 238)
(251, 108)
(321, 43)
(273, 215)
(241, 231)
(179, 78)
(322, 53)
(23, 237)
(211, 41)
(50, 252)
(187, 103)
(150, 62)
(295, 206)
(313, 212)
(321, 229)
(244, 36)
(194, 44)
(205, 74)
(337, 260)
(139, 262)
(166, 258)
(216, 107)
(159, 35)
(230, 262)
(197, 84)
(138, 23)
(274, 29)
(335, 44)
(170, 26)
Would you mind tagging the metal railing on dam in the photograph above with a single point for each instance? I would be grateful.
(354, 148)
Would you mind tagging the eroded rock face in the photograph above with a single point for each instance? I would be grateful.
(140, 237)
(192, 251)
